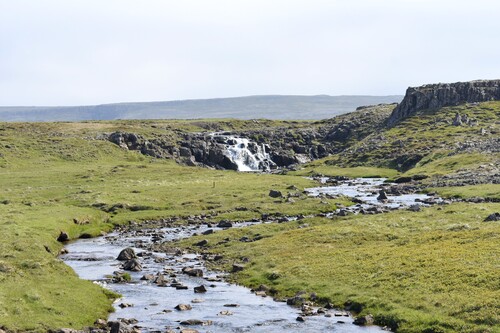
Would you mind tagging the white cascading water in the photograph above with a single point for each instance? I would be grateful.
(237, 150)
(246, 154)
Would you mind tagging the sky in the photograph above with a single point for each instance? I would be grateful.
(85, 52)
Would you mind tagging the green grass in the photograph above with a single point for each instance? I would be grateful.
(435, 270)
(440, 163)
(324, 167)
(428, 135)
(491, 191)
(51, 173)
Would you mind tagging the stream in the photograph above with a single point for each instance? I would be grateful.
(224, 307)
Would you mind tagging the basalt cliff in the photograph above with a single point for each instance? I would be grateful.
(434, 96)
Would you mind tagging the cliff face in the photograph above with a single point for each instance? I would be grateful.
(433, 96)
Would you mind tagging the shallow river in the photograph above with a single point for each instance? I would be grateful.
(153, 306)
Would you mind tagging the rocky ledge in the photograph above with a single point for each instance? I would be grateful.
(434, 96)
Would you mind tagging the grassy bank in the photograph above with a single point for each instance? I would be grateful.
(429, 271)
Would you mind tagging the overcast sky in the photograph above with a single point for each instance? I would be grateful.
(76, 52)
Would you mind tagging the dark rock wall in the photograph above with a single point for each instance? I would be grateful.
(286, 146)
(433, 96)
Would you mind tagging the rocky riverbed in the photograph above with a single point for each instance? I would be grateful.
(175, 292)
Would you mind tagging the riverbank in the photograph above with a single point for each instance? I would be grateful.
(429, 271)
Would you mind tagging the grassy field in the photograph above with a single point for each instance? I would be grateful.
(428, 270)
(51, 174)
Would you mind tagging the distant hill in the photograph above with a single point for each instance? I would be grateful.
(250, 107)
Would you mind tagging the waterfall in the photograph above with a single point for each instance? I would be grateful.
(246, 154)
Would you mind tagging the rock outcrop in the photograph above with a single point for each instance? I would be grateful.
(433, 96)
(281, 146)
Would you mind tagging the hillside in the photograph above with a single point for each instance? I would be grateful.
(251, 107)
(432, 270)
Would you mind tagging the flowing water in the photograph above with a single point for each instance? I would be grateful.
(246, 154)
(366, 190)
(153, 305)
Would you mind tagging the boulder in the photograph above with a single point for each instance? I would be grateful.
(201, 243)
(183, 307)
(63, 237)
(415, 208)
(224, 224)
(126, 254)
(492, 217)
(194, 322)
(198, 272)
(148, 277)
(363, 321)
(200, 289)
(185, 152)
(295, 301)
(275, 194)
(133, 265)
(208, 232)
(237, 268)
(119, 327)
(382, 195)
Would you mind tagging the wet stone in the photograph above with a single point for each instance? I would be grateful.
(133, 265)
(197, 300)
(363, 321)
(189, 330)
(200, 289)
(183, 307)
(125, 305)
(382, 195)
(208, 232)
(148, 277)
(224, 224)
(192, 271)
(194, 322)
(232, 305)
(225, 313)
